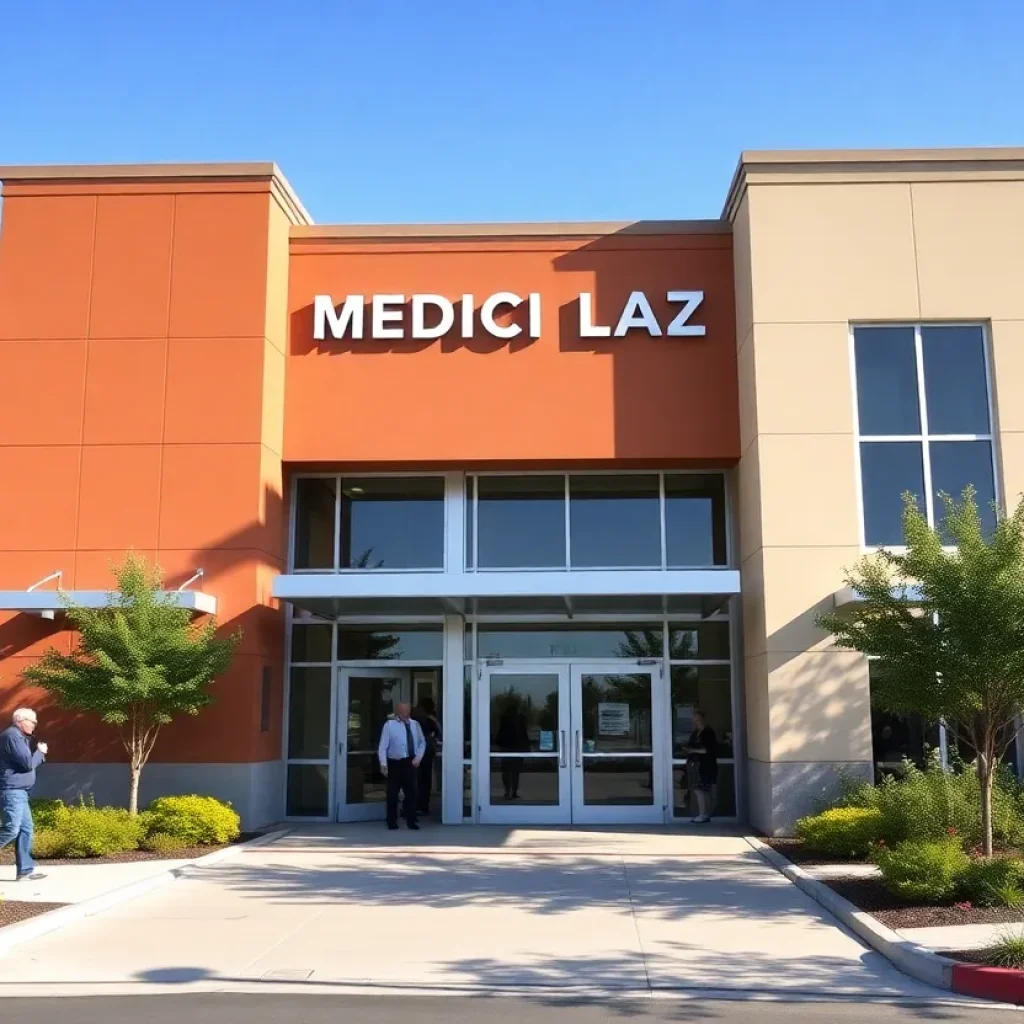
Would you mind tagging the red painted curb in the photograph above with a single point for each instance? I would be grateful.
(1002, 983)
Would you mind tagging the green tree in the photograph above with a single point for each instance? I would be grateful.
(139, 663)
(953, 648)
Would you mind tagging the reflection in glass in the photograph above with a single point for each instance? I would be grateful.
(524, 712)
(618, 782)
(887, 470)
(309, 713)
(314, 522)
(311, 643)
(704, 641)
(370, 703)
(392, 523)
(954, 379)
(615, 521)
(521, 522)
(955, 464)
(398, 643)
(701, 688)
(616, 713)
(571, 640)
(470, 481)
(524, 781)
(887, 398)
(307, 791)
(467, 791)
(364, 782)
(695, 519)
(723, 795)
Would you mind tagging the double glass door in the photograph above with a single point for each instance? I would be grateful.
(571, 743)
(367, 697)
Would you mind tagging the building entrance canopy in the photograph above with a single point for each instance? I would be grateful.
(655, 592)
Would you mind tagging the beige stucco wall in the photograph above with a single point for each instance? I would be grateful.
(819, 243)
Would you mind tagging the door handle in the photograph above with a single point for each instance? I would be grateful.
(579, 750)
(562, 752)
(341, 748)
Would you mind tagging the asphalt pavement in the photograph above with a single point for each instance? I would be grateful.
(343, 1009)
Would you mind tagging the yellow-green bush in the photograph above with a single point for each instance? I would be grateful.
(98, 831)
(994, 882)
(160, 842)
(46, 812)
(841, 831)
(48, 843)
(924, 872)
(193, 820)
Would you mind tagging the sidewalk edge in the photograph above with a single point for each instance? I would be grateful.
(918, 962)
(24, 931)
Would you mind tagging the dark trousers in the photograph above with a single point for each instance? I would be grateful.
(401, 776)
(425, 782)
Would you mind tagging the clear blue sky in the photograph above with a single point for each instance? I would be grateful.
(447, 110)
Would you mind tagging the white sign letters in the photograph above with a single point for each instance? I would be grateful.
(387, 316)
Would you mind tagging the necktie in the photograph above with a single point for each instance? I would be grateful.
(410, 748)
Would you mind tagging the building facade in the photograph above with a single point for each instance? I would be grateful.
(570, 482)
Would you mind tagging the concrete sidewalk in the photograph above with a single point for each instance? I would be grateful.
(471, 909)
(75, 883)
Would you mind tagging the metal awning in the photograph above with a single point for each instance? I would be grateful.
(48, 604)
(638, 591)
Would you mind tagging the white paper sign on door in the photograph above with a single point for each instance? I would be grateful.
(612, 719)
(547, 740)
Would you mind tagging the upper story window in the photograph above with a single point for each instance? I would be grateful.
(924, 422)
(393, 522)
(596, 521)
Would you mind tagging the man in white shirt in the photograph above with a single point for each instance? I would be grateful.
(401, 749)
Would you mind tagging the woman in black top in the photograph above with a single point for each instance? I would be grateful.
(426, 715)
(702, 765)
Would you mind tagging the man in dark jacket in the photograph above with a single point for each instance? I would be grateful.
(18, 763)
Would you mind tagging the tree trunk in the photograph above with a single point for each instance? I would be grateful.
(985, 778)
(133, 793)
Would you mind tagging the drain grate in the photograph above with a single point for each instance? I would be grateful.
(283, 975)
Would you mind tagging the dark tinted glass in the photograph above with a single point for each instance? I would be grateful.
(887, 470)
(615, 521)
(402, 643)
(705, 688)
(309, 713)
(703, 641)
(887, 400)
(723, 794)
(954, 380)
(307, 790)
(392, 523)
(311, 643)
(521, 522)
(558, 641)
(955, 464)
(695, 519)
(470, 482)
(314, 523)
(467, 712)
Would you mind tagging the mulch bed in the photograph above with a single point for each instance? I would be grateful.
(185, 853)
(11, 911)
(795, 851)
(870, 895)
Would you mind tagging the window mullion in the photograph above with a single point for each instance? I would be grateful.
(568, 556)
(929, 500)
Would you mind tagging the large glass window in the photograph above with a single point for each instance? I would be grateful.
(392, 523)
(557, 640)
(694, 519)
(391, 643)
(614, 521)
(309, 714)
(314, 522)
(520, 522)
(924, 423)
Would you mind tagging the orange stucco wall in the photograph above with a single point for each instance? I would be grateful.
(133, 413)
(559, 399)
(158, 377)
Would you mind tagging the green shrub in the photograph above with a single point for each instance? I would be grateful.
(994, 882)
(160, 842)
(1008, 951)
(45, 812)
(48, 843)
(193, 820)
(842, 831)
(98, 831)
(935, 803)
(923, 872)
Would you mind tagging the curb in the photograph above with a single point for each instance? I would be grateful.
(918, 962)
(15, 934)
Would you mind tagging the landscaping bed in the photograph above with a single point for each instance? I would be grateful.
(13, 911)
(797, 852)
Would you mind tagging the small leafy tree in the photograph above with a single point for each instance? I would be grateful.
(140, 662)
(957, 653)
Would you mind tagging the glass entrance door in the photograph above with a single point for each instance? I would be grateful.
(366, 698)
(571, 743)
(616, 775)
